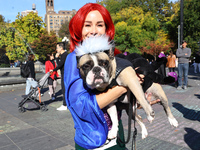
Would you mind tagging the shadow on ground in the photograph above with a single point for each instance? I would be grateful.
(187, 113)
(192, 138)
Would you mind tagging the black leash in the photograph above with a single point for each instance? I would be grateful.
(135, 129)
(130, 113)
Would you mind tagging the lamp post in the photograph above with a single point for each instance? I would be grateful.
(66, 40)
(198, 43)
(181, 20)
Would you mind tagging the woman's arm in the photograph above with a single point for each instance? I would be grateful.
(107, 97)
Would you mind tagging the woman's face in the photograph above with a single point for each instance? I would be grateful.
(94, 25)
(51, 57)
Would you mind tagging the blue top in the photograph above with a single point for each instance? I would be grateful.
(89, 122)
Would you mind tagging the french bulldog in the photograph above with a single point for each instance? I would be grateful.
(99, 68)
(152, 85)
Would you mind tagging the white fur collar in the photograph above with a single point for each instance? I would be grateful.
(93, 44)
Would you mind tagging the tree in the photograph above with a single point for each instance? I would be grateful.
(2, 20)
(158, 8)
(160, 44)
(133, 28)
(44, 45)
(191, 18)
(18, 35)
(64, 30)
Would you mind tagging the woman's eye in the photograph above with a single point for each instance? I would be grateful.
(100, 25)
(87, 25)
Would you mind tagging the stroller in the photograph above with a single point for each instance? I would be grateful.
(31, 98)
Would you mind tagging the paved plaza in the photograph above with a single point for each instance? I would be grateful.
(54, 130)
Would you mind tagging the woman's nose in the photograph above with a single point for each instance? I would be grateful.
(93, 31)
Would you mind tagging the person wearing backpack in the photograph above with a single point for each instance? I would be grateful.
(50, 64)
(30, 80)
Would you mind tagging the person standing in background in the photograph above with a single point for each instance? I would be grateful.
(63, 55)
(197, 62)
(162, 68)
(31, 81)
(183, 55)
(171, 62)
(50, 64)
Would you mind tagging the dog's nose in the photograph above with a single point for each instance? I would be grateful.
(96, 70)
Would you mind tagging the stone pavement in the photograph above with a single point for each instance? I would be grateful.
(54, 130)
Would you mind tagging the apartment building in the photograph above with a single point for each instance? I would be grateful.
(55, 20)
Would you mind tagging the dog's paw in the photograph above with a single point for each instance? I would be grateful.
(144, 132)
(112, 133)
(151, 116)
(173, 122)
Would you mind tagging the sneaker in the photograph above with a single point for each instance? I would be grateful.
(179, 88)
(62, 107)
(53, 98)
(185, 87)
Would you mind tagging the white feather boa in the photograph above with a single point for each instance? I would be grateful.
(93, 44)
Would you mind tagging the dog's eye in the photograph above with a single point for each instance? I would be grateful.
(103, 63)
(85, 66)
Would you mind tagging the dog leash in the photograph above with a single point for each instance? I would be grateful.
(130, 113)
(135, 129)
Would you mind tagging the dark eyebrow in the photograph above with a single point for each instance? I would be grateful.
(91, 22)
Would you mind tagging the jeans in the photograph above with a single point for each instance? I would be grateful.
(195, 67)
(30, 82)
(183, 71)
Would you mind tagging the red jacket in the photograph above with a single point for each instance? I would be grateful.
(49, 66)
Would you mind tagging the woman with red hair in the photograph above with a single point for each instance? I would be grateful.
(91, 127)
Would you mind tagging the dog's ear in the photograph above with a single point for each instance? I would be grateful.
(110, 52)
(112, 49)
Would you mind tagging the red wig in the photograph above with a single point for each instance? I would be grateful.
(77, 22)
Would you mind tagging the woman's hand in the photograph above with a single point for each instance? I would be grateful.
(51, 71)
(107, 97)
(57, 55)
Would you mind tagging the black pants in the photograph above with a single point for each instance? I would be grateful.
(171, 69)
(63, 89)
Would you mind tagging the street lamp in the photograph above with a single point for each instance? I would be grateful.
(198, 43)
(66, 40)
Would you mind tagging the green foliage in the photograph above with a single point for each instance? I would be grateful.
(17, 36)
(2, 20)
(4, 65)
(44, 45)
(143, 19)
(64, 30)
(133, 27)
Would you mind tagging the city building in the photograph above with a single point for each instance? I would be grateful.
(55, 20)
(26, 12)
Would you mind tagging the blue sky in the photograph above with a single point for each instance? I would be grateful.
(10, 8)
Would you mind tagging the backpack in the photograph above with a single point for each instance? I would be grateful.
(25, 70)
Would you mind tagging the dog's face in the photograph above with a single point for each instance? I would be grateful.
(96, 70)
